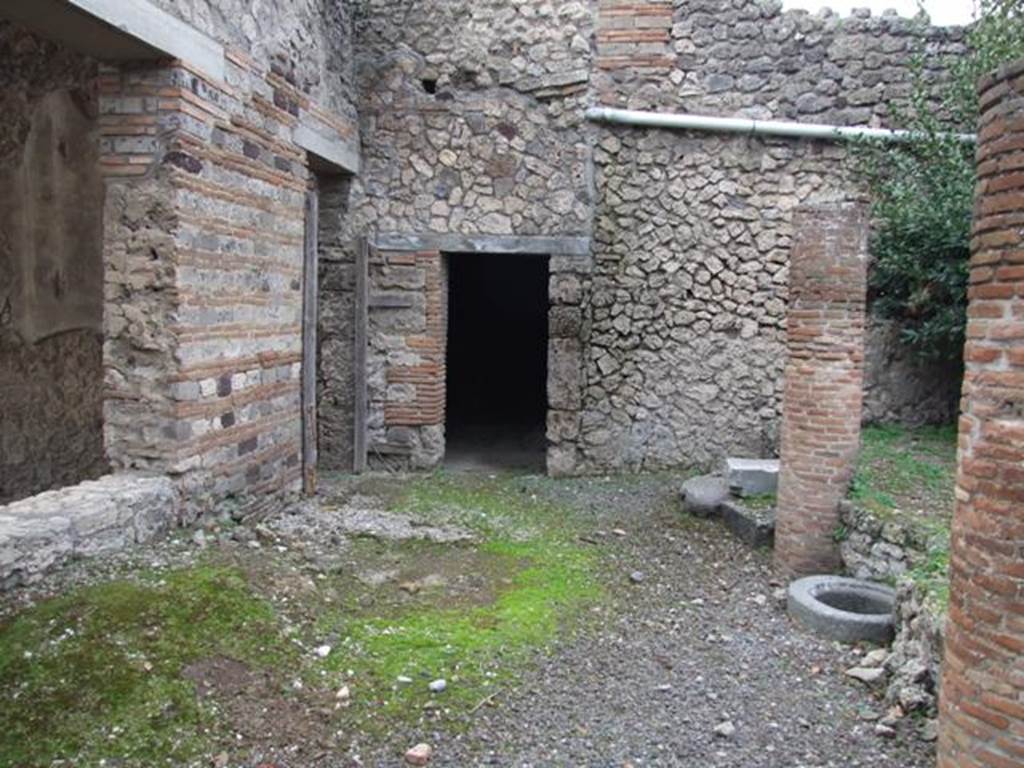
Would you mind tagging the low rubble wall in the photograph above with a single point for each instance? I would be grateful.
(94, 517)
(885, 550)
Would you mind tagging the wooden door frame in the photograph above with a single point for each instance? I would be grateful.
(310, 313)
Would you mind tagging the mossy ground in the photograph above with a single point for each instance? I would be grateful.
(759, 502)
(908, 476)
(101, 672)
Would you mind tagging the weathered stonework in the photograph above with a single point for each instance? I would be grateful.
(634, 34)
(51, 400)
(754, 59)
(91, 518)
(206, 225)
(680, 336)
(693, 231)
(689, 295)
(406, 361)
(884, 550)
(877, 549)
(200, 275)
(901, 389)
(305, 44)
(336, 328)
(51, 294)
(669, 251)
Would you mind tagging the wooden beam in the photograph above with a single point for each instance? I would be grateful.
(359, 356)
(309, 342)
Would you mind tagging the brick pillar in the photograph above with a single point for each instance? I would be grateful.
(982, 695)
(824, 377)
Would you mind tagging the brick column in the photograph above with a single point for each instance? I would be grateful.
(982, 695)
(824, 377)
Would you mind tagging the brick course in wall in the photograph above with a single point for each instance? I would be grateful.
(824, 383)
(634, 34)
(982, 696)
(204, 273)
(407, 332)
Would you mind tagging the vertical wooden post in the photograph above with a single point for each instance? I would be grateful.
(359, 357)
(309, 342)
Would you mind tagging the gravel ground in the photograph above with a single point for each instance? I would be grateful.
(700, 641)
(692, 639)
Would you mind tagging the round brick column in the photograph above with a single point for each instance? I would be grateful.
(982, 696)
(822, 401)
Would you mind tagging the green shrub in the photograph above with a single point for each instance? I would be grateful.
(923, 189)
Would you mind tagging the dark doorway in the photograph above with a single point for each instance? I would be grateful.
(497, 361)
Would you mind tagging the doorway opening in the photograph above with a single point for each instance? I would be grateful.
(497, 361)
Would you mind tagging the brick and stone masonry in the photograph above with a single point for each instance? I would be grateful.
(203, 271)
(407, 328)
(634, 34)
(824, 382)
(982, 695)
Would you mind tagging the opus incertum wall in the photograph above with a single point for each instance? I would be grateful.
(982, 696)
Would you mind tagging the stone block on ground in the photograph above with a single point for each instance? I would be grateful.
(752, 477)
(703, 495)
(754, 527)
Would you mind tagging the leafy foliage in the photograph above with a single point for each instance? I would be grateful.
(922, 191)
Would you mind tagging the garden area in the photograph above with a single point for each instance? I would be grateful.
(484, 618)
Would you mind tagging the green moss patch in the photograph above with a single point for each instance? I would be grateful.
(759, 502)
(389, 660)
(97, 674)
(170, 668)
(538, 580)
(908, 476)
(910, 472)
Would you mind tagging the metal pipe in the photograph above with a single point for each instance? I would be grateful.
(750, 126)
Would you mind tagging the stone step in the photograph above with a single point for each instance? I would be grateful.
(754, 527)
(752, 477)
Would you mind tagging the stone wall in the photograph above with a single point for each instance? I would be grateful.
(406, 358)
(875, 548)
(689, 296)
(472, 120)
(204, 254)
(900, 388)
(693, 231)
(982, 716)
(51, 412)
(751, 58)
(91, 518)
(306, 43)
(336, 327)
(885, 549)
(51, 293)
